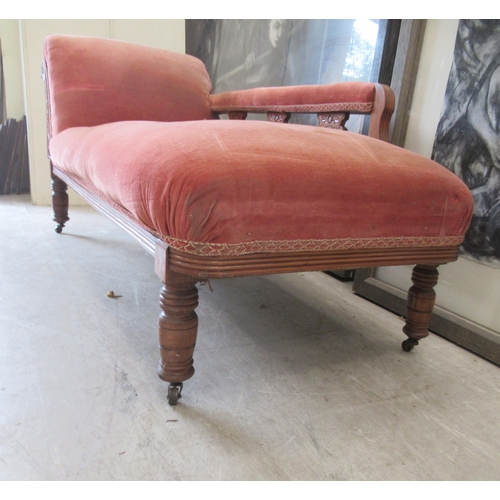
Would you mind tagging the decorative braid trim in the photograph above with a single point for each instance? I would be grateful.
(282, 246)
(355, 107)
(289, 246)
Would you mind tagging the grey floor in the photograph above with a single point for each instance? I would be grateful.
(296, 377)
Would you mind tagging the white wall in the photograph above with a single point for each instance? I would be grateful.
(466, 288)
(164, 33)
(12, 68)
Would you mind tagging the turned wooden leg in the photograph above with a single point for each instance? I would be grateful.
(59, 202)
(421, 297)
(178, 326)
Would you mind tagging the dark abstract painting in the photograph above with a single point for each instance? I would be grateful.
(468, 135)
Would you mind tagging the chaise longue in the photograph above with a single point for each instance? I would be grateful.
(138, 133)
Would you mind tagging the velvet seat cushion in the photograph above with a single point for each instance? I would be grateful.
(215, 187)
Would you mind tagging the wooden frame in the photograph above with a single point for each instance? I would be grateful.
(407, 58)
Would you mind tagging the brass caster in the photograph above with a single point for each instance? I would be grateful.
(409, 344)
(174, 393)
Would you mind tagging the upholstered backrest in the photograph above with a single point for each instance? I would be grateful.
(92, 81)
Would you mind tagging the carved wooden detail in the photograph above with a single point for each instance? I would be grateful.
(178, 327)
(274, 116)
(329, 114)
(420, 304)
(333, 120)
(237, 115)
(59, 202)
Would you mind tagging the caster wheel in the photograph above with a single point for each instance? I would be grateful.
(409, 344)
(59, 228)
(174, 393)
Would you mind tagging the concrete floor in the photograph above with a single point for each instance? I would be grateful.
(296, 377)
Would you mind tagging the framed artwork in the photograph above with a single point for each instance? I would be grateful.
(468, 135)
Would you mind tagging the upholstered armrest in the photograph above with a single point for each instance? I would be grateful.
(347, 97)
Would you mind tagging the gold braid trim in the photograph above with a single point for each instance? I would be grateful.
(359, 107)
(287, 246)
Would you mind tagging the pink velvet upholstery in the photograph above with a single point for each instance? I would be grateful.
(229, 188)
(92, 81)
(132, 124)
